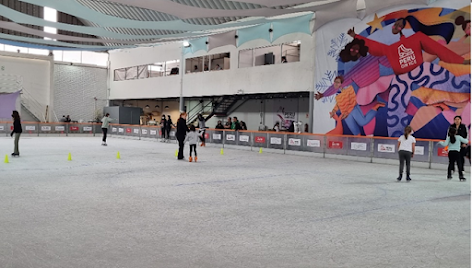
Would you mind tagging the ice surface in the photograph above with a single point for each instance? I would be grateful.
(240, 209)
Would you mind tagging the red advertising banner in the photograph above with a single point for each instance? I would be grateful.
(207, 136)
(128, 130)
(335, 144)
(74, 128)
(259, 139)
(442, 151)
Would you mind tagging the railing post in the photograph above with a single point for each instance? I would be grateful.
(325, 139)
(430, 155)
(38, 127)
(372, 144)
(223, 138)
(285, 142)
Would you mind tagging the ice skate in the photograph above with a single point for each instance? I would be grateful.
(15, 155)
(190, 159)
(399, 178)
(196, 158)
(408, 178)
(462, 179)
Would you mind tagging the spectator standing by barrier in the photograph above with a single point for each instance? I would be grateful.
(406, 151)
(181, 133)
(105, 123)
(17, 130)
(243, 125)
(163, 125)
(202, 127)
(235, 125)
(168, 127)
(219, 125)
(461, 131)
(228, 123)
(277, 127)
(192, 138)
(454, 142)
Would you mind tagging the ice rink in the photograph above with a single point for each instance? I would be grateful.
(240, 209)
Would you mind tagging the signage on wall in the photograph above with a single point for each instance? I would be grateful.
(359, 146)
(274, 140)
(335, 144)
(2, 128)
(144, 131)
(216, 136)
(45, 128)
(128, 130)
(259, 139)
(87, 128)
(386, 148)
(419, 150)
(153, 132)
(136, 131)
(74, 128)
(442, 151)
(30, 127)
(121, 130)
(60, 128)
(244, 138)
(313, 143)
(207, 136)
(294, 142)
(230, 137)
(114, 129)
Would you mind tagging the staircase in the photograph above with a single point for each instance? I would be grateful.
(222, 106)
(25, 108)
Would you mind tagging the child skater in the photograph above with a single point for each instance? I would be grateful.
(454, 142)
(192, 138)
(406, 150)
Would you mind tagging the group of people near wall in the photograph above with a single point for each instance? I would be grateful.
(232, 124)
(456, 142)
(166, 125)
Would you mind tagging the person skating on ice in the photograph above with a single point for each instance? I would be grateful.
(181, 133)
(105, 124)
(192, 138)
(453, 141)
(17, 130)
(406, 151)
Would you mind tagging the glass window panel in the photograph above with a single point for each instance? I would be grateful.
(57, 55)
(72, 56)
(38, 51)
(16, 49)
(95, 58)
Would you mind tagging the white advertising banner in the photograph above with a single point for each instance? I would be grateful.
(386, 148)
(216, 136)
(313, 143)
(230, 137)
(294, 142)
(244, 138)
(359, 146)
(274, 140)
(45, 128)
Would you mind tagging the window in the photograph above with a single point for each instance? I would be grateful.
(172, 67)
(284, 53)
(72, 56)
(156, 69)
(119, 75)
(95, 58)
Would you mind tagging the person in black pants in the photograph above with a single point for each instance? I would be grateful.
(17, 130)
(461, 131)
(169, 126)
(181, 133)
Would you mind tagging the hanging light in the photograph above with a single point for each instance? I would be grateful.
(167, 107)
(157, 106)
(147, 106)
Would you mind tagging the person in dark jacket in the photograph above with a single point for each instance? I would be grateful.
(181, 133)
(219, 125)
(243, 125)
(17, 130)
(168, 127)
(235, 125)
(163, 125)
(461, 131)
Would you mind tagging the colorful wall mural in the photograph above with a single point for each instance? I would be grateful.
(408, 67)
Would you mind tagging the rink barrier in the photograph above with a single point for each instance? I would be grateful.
(427, 151)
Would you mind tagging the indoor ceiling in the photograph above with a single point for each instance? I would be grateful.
(110, 24)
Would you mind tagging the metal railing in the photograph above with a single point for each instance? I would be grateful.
(427, 151)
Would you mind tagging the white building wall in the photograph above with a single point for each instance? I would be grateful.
(31, 74)
(76, 87)
(291, 77)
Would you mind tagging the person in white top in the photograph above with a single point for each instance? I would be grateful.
(406, 150)
(105, 123)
